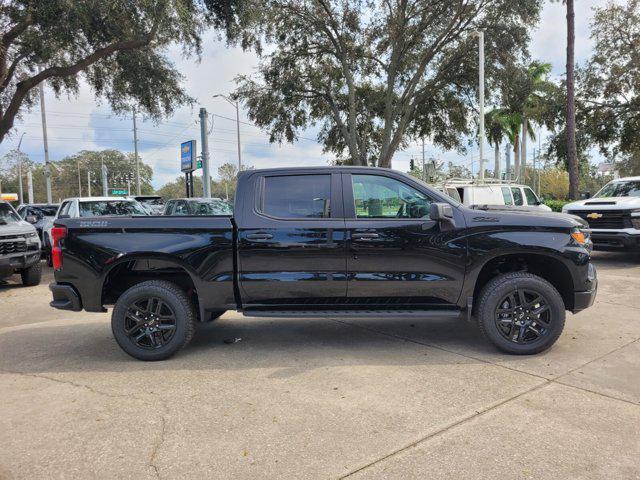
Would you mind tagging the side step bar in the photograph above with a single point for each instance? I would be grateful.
(354, 313)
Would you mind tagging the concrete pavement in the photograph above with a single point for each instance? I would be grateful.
(300, 398)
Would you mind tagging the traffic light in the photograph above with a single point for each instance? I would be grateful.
(412, 164)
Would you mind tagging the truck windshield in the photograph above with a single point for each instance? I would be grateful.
(620, 189)
(111, 208)
(8, 214)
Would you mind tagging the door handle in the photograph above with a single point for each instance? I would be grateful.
(259, 236)
(364, 236)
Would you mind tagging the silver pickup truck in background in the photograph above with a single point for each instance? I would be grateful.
(19, 247)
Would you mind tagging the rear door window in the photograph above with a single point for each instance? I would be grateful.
(531, 197)
(180, 208)
(506, 195)
(517, 196)
(297, 196)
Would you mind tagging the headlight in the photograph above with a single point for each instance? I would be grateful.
(31, 235)
(581, 236)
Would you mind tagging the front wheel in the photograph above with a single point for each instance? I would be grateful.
(521, 313)
(153, 320)
(31, 276)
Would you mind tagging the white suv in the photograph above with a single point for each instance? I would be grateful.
(613, 215)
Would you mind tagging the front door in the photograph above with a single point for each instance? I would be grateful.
(292, 249)
(396, 254)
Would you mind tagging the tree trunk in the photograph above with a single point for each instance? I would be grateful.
(572, 157)
(496, 166)
(516, 156)
(523, 154)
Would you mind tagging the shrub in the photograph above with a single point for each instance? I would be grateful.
(556, 205)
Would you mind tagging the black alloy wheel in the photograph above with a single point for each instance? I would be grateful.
(150, 323)
(523, 316)
(520, 313)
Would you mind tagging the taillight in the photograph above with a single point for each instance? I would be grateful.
(57, 234)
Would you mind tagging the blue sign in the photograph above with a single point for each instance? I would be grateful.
(188, 156)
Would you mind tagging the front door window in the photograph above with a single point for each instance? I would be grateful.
(376, 196)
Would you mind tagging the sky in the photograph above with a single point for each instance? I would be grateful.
(83, 123)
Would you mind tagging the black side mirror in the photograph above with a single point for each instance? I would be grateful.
(585, 195)
(441, 211)
(31, 219)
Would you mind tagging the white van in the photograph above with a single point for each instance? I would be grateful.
(472, 192)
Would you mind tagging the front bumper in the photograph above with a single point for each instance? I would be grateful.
(65, 297)
(615, 241)
(11, 264)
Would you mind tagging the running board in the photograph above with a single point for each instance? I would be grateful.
(354, 313)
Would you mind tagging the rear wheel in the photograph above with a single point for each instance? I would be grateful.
(153, 320)
(31, 276)
(521, 313)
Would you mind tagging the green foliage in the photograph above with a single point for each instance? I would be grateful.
(64, 174)
(119, 48)
(374, 75)
(556, 205)
(609, 85)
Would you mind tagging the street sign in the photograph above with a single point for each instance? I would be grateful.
(188, 156)
(118, 191)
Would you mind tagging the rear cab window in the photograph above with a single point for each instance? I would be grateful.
(506, 195)
(296, 196)
(517, 196)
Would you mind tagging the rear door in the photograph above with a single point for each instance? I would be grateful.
(396, 254)
(291, 239)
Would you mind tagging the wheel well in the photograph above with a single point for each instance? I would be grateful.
(549, 268)
(130, 273)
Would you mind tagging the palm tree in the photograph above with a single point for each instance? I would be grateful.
(497, 122)
(572, 156)
(514, 122)
(537, 82)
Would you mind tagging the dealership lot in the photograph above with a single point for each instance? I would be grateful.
(360, 398)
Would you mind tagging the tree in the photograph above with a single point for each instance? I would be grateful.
(572, 156)
(497, 127)
(117, 46)
(609, 85)
(375, 75)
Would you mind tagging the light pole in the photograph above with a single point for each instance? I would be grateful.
(20, 193)
(47, 164)
(235, 104)
(480, 34)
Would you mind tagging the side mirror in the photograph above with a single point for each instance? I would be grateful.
(441, 211)
(31, 219)
(585, 195)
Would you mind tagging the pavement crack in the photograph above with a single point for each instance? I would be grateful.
(70, 382)
(157, 445)
(445, 429)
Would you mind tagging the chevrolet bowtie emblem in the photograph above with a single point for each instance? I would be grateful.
(594, 215)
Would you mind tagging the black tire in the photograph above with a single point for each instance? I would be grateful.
(132, 317)
(521, 313)
(31, 276)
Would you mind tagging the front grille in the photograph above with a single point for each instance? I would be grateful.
(609, 220)
(7, 248)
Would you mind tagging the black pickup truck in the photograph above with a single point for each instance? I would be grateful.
(327, 242)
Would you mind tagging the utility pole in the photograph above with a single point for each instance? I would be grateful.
(20, 193)
(424, 170)
(105, 185)
(481, 95)
(204, 136)
(79, 182)
(235, 104)
(135, 148)
(89, 182)
(30, 186)
(47, 164)
(507, 155)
